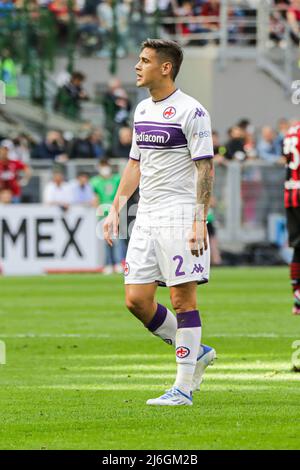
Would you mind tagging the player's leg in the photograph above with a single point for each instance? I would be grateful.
(295, 280)
(188, 335)
(293, 224)
(140, 300)
(141, 273)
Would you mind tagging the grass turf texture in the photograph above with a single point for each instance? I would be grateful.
(80, 368)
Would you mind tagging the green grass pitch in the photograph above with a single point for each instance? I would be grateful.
(80, 368)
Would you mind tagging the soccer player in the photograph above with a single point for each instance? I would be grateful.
(171, 160)
(292, 203)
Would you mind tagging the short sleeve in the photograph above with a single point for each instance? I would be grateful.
(198, 134)
(21, 166)
(48, 194)
(135, 153)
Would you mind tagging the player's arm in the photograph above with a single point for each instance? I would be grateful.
(205, 176)
(292, 20)
(128, 184)
(26, 174)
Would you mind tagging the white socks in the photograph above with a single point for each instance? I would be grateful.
(164, 325)
(188, 338)
(185, 334)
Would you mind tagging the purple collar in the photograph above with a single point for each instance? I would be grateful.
(159, 101)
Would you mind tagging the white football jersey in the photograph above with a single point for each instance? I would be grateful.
(169, 135)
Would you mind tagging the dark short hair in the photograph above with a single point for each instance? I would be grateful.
(167, 50)
(78, 76)
(82, 173)
(103, 162)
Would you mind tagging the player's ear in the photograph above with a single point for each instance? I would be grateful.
(166, 68)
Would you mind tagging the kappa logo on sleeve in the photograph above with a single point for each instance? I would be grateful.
(182, 352)
(169, 112)
(199, 113)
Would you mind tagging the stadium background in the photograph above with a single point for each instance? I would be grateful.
(242, 63)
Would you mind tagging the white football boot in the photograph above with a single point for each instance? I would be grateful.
(206, 359)
(172, 397)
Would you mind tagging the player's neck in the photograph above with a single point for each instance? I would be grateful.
(162, 92)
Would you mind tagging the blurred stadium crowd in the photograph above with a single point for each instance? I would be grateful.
(99, 152)
(96, 23)
(243, 143)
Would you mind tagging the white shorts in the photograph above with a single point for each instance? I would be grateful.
(162, 254)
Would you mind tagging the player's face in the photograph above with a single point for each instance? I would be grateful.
(148, 69)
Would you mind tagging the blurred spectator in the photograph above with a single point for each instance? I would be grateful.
(8, 73)
(81, 191)
(96, 139)
(235, 146)
(69, 96)
(266, 147)
(116, 103)
(282, 128)
(106, 20)
(219, 150)
(22, 144)
(52, 148)
(6, 196)
(82, 147)
(293, 18)
(58, 192)
(13, 173)
(277, 17)
(247, 133)
(211, 8)
(105, 186)
(117, 107)
(122, 145)
(60, 10)
(6, 6)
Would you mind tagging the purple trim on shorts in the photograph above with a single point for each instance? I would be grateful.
(158, 319)
(203, 156)
(159, 101)
(135, 159)
(189, 319)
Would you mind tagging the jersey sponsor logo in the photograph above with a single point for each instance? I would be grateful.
(182, 352)
(155, 136)
(197, 269)
(126, 269)
(201, 134)
(160, 135)
(199, 113)
(169, 112)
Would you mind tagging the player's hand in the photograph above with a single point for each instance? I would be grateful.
(198, 238)
(111, 226)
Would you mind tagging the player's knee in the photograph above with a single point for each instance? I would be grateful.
(181, 305)
(134, 304)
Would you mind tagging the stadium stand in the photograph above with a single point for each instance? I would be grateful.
(49, 120)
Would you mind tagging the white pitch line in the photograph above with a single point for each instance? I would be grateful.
(101, 336)
(211, 376)
(242, 366)
(208, 386)
(50, 335)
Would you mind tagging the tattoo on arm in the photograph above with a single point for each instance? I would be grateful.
(204, 185)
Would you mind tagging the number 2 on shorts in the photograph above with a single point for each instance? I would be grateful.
(180, 263)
